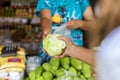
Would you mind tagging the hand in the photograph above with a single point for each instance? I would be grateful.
(73, 24)
(69, 47)
(43, 37)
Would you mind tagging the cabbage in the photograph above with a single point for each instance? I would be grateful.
(53, 45)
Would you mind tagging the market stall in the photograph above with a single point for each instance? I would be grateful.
(20, 36)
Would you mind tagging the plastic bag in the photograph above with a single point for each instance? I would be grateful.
(11, 75)
(63, 30)
(32, 63)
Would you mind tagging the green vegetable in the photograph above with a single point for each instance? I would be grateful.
(65, 62)
(60, 72)
(69, 77)
(75, 78)
(40, 78)
(54, 62)
(27, 78)
(90, 78)
(38, 71)
(47, 75)
(76, 63)
(86, 70)
(61, 77)
(78, 73)
(72, 71)
(32, 75)
(55, 79)
(46, 67)
(53, 45)
(82, 77)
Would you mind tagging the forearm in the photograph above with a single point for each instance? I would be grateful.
(86, 25)
(83, 54)
(46, 25)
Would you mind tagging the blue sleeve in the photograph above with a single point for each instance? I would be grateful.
(42, 4)
(84, 4)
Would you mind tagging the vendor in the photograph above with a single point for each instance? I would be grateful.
(107, 37)
(71, 12)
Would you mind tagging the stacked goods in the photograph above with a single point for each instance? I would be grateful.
(12, 66)
(62, 69)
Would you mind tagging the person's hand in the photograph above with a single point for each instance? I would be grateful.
(69, 47)
(43, 37)
(74, 24)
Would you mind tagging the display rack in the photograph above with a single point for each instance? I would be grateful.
(19, 25)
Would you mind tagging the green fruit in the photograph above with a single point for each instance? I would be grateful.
(72, 71)
(76, 63)
(60, 72)
(46, 67)
(47, 75)
(90, 78)
(38, 71)
(75, 78)
(65, 62)
(32, 75)
(86, 70)
(82, 77)
(40, 78)
(54, 62)
(78, 73)
(27, 78)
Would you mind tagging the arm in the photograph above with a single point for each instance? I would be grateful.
(85, 24)
(83, 54)
(46, 22)
(89, 20)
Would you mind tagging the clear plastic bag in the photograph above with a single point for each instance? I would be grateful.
(32, 63)
(11, 75)
(63, 30)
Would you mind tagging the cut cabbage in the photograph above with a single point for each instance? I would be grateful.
(53, 45)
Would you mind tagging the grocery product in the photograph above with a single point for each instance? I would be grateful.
(46, 67)
(33, 62)
(55, 63)
(40, 78)
(76, 63)
(53, 45)
(38, 71)
(86, 70)
(14, 61)
(60, 72)
(65, 62)
(47, 75)
(32, 75)
(83, 77)
(72, 71)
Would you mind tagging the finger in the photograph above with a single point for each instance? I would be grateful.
(62, 38)
(61, 56)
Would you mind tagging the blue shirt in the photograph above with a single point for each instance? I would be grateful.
(68, 10)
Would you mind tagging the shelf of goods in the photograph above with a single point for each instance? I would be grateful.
(19, 25)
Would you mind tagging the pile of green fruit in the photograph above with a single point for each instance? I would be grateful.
(62, 69)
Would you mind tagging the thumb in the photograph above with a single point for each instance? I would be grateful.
(63, 38)
(61, 56)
